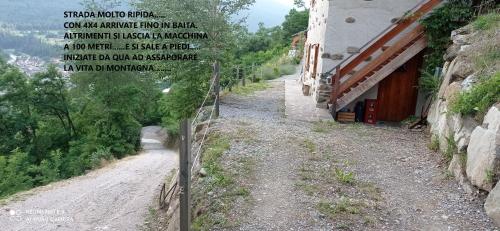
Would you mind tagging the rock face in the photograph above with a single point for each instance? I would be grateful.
(458, 76)
(476, 159)
(483, 153)
(446, 126)
(457, 168)
(492, 205)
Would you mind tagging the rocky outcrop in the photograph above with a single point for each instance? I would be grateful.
(444, 125)
(483, 153)
(492, 205)
(475, 144)
(458, 76)
(457, 168)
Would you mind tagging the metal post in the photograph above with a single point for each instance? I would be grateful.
(217, 87)
(185, 176)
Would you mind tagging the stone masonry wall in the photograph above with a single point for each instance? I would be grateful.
(477, 164)
(341, 27)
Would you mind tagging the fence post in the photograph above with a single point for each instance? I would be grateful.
(217, 87)
(243, 76)
(185, 176)
(232, 79)
(253, 72)
(237, 75)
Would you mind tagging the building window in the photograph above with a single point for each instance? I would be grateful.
(308, 56)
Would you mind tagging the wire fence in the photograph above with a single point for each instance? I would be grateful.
(237, 75)
(166, 196)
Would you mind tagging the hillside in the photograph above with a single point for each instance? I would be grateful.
(39, 14)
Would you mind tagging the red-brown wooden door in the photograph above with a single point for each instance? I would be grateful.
(397, 94)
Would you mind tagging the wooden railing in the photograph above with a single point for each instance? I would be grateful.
(373, 46)
(386, 55)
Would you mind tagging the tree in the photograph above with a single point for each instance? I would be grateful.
(51, 97)
(299, 3)
(295, 21)
(191, 79)
(111, 105)
(19, 119)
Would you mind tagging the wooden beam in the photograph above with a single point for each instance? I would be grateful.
(404, 57)
(386, 55)
(335, 92)
(401, 26)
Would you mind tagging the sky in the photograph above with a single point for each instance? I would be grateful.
(270, 12)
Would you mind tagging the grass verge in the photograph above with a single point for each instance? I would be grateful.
(339, 196)
(215, 195)
(250, 88)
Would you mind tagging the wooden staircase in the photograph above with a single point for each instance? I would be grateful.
(348, 85)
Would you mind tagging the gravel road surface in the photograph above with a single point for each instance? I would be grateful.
(292, 154)
(115, 197)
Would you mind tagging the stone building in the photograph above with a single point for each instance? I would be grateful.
(341, 31)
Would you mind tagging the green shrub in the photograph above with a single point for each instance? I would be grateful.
(14, 173)
(276, 71)
(429, 83)
(216, 146)
(343, 206)
(438, 27)
(250, 88)
(268, 73)
(287, 69)
(481, 97)
(487, 58)
(344, 176)
(181, 102)
(49, 169)
(451, 148)
(487, 21)
(434, 144)
(101, 155)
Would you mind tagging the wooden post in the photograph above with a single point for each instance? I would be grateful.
(217, 87)
(335, 93)
(243, 77)
(253, 72)
(237, 75)
(185, 176)
(230, 85)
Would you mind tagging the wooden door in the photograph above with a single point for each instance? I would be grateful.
(398, 92)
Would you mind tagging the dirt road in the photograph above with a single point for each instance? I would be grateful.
(324, 175)
(112, 198)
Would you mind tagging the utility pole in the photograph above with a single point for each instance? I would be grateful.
(217, 87)
(185, 176)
